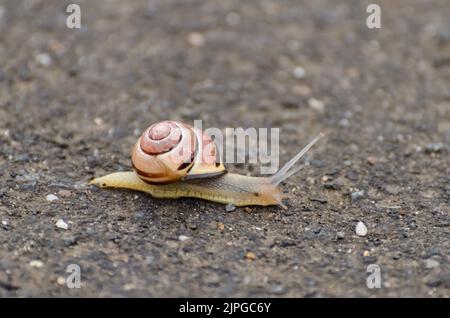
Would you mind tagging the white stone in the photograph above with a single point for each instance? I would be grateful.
(44, 59)
(299, 72)
(61, 224)
(51, 197)
(36, 264)
(431, 263)
(183, 238)
(230, 207)
(361, 229)
(98, 121)
(61, 281)
(196, 39)
(316, 105)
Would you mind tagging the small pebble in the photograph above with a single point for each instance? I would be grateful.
(98, 121)
(340, 235)
(36, 264)
(299, 72)
(326, 178)
(431, 263)
(434, 148)
(183, 238)
(220, 226)
(28, 186)
(196, 39)
(344, 122)
(44, 59)
(361, 229)
(64, 193)
(278, 289)
(316, 105)
(352, 175)
(397, 255)
(371, 160)
(319, 199)
(250, 256)
(347, 162)
(51, 197)
(61, 224)
(357, 195)
(248, 210)
(366, 253)
(61, 281)
(230, 207)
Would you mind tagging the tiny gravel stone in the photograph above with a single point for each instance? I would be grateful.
(98, 121)
(340, 235)
(70, 240)
(431, 263)
(36, 264)
(250, 256)
(352, 175)
(278, 289)
(372, 160)
(397, 255)
(434, 148)
(61, 224)
(51, 197)
(347, 162)
(64, 193)
(44, 59)
(196, 39)
(28, 186)
(61, 281)
(357, 195)
(183, 238)
(319, 199)
(361, 229)
(230, 207)
(23, 157)
(299, 72)
(220, 226)
(316, 105)
(344, 122)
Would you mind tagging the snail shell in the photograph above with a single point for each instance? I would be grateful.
(171, 151)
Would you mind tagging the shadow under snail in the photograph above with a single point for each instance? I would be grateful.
(167, 163)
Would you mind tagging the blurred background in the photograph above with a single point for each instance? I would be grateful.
(73, 101)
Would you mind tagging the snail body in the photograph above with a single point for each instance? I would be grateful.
(163, 170)
(228, 188)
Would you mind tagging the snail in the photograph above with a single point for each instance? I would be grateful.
(168, 163)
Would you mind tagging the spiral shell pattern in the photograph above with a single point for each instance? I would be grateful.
(171, 151)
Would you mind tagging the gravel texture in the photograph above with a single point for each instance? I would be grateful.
(72, 103)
